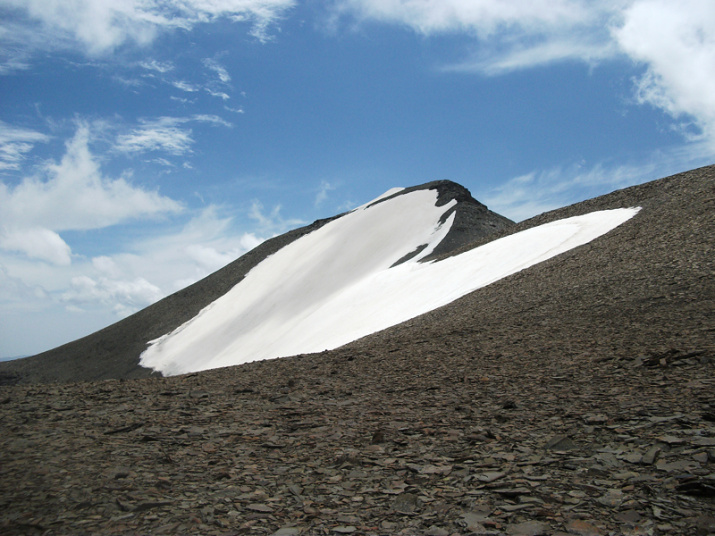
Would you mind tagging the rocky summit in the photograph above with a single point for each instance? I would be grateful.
(575, 397)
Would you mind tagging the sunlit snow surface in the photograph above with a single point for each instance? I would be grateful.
(335, 285)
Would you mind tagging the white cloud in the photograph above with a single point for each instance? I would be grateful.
(15, 143)
(14, 291)
(496, 60)
(163, 134)
(676, 43)
(219, 94)
(178, 257)
(181, 100)
(70, 195)
(219, 69)
(185, 86)
(158, 66)
(166, 134)
(100, 26)
(36, 243)
(322, 194)
(506, 35)
(272, 223)
(124, 297)
(482, 17)
(159, 265)
(210, 118)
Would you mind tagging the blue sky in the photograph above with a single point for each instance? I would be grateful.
(145, 144)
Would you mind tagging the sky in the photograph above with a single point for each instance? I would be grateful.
(338, 284)
(146, 143)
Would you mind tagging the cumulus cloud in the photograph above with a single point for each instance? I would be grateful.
(676, 44)
(71, 194)
(99, 26)
(15, 143)
(158, 265)
(124, 297)
(36, 243)
(174, 258)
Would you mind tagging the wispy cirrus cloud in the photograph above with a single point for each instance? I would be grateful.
(539, 191)
(222, 83)
(15, 143)
(271, 223)
(166, 134)
(218, 94)
(506, 36)
(482, 17)
(217, 85)
(674, 42)
(158, 66)
(322, 195)
(99, 27)
(185, 86)
(218, 69)
(210, 118)
(496, 60)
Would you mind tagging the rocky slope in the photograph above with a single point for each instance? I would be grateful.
(575, 397)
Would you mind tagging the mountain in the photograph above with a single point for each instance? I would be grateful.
(421, 222)
(572, 397)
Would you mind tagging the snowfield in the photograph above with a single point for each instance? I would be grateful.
(338, 283)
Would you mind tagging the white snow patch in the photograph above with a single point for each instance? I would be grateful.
(336, 284)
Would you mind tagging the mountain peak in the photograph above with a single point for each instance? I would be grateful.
(322, 286)
(446, 192)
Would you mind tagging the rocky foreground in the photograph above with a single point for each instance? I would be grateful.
(576, 397)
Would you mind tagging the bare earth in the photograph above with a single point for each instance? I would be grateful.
(575, 397)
